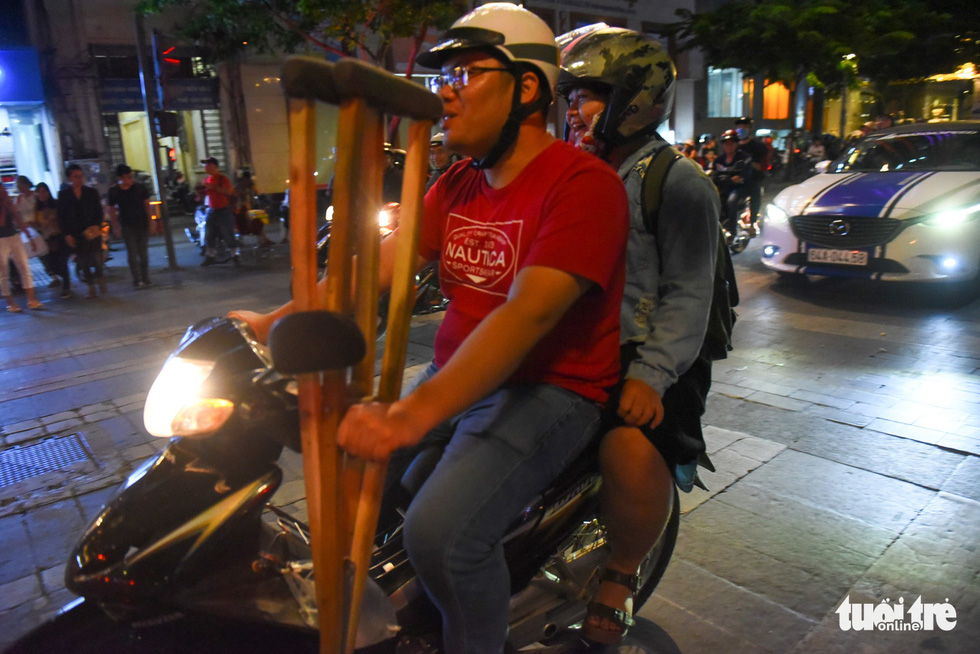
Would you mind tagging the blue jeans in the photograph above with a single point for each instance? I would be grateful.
(500, 454)
(220, 224)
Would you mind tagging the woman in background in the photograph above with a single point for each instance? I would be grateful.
(11, 247)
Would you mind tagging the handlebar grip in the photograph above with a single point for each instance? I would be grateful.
(306, 77)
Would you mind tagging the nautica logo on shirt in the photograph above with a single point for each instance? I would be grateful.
(480, 255)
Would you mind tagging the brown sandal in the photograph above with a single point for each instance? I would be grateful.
(619, 617)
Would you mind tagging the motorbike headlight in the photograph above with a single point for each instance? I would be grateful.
(386, 221)
(775, 215)
(953, 217)
(329, 214)
(174, 406)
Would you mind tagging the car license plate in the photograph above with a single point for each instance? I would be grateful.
(847, 257)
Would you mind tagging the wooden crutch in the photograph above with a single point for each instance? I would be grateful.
(364, 93)
(400, 97)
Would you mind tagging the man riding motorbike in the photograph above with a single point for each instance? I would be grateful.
(730, 171)
(620, 88)
(530, 234)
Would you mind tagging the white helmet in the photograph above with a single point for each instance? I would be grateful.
(509, 32)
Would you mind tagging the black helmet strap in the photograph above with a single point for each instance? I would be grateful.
(518, 114)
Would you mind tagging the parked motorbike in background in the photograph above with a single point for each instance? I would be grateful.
(191, 555)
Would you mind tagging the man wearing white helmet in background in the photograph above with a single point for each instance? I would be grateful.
(620, 86)
(440, 159)
(530, 234)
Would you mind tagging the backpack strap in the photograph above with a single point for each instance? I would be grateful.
(654, 179)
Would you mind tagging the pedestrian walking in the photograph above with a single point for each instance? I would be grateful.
(221, 220)
(80, 219)
(129, 202)
(11, 247)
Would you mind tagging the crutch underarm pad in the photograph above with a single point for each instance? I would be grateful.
(306, 77)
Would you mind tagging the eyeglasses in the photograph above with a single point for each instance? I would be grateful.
(459, 77)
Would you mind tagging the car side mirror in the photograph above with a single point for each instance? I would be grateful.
(314, 341)
(821, 166)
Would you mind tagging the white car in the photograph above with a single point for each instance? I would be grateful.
(900, 204)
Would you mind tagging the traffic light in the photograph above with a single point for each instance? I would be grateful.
(166, 123)
(166, 68)
(172, 154)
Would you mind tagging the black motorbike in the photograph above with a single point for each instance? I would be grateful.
(736, 211)
(192, 556)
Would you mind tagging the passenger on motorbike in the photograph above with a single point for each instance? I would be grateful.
(531, 236)
(730, 172)
(620, 87)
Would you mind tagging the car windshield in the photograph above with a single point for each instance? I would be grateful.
(953, 149)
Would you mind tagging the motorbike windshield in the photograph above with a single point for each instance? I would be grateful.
(926, 150)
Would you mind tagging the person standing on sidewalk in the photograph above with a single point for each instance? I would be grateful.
(221, 218)
(56, 260)
(11, 247)
(80, 218)
(129, 202)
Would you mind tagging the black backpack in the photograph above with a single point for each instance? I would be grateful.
(721, 317)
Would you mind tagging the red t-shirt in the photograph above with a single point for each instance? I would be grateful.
(216, 199)
(566, 210)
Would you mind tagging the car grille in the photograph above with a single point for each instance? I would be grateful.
(845, 232)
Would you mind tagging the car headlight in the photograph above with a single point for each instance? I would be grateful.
(174, 406)
(775, 215)
(953, 217)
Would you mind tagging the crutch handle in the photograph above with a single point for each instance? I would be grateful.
(307, 77)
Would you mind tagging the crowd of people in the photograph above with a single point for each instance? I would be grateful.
(76, 225)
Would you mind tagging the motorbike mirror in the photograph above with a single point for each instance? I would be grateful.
(312, 341)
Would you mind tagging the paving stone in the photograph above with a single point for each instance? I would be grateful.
(858, 494)
(24, 425)
(58, 417)
(792, 554)
(829, 637)
(716, 438)
(25, 436)
(958, 443)
(64, 426)
(91, 503)
(822, 399)
(768, 387)
(965, 480)
(911, 432)
(692, 632)
(91, 409)
(937, 555)
(53, 579)
(15, 561)
(778, 401)
(746, 617)
(919, 463)
(19, 591)
(53, 530)
(835, 415)
(729, 389)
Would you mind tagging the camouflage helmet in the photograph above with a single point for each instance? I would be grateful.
(636, 71)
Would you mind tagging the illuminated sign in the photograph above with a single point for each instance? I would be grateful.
(20, 77)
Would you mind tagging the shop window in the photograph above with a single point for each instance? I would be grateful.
(775, 101)
(725, 92)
